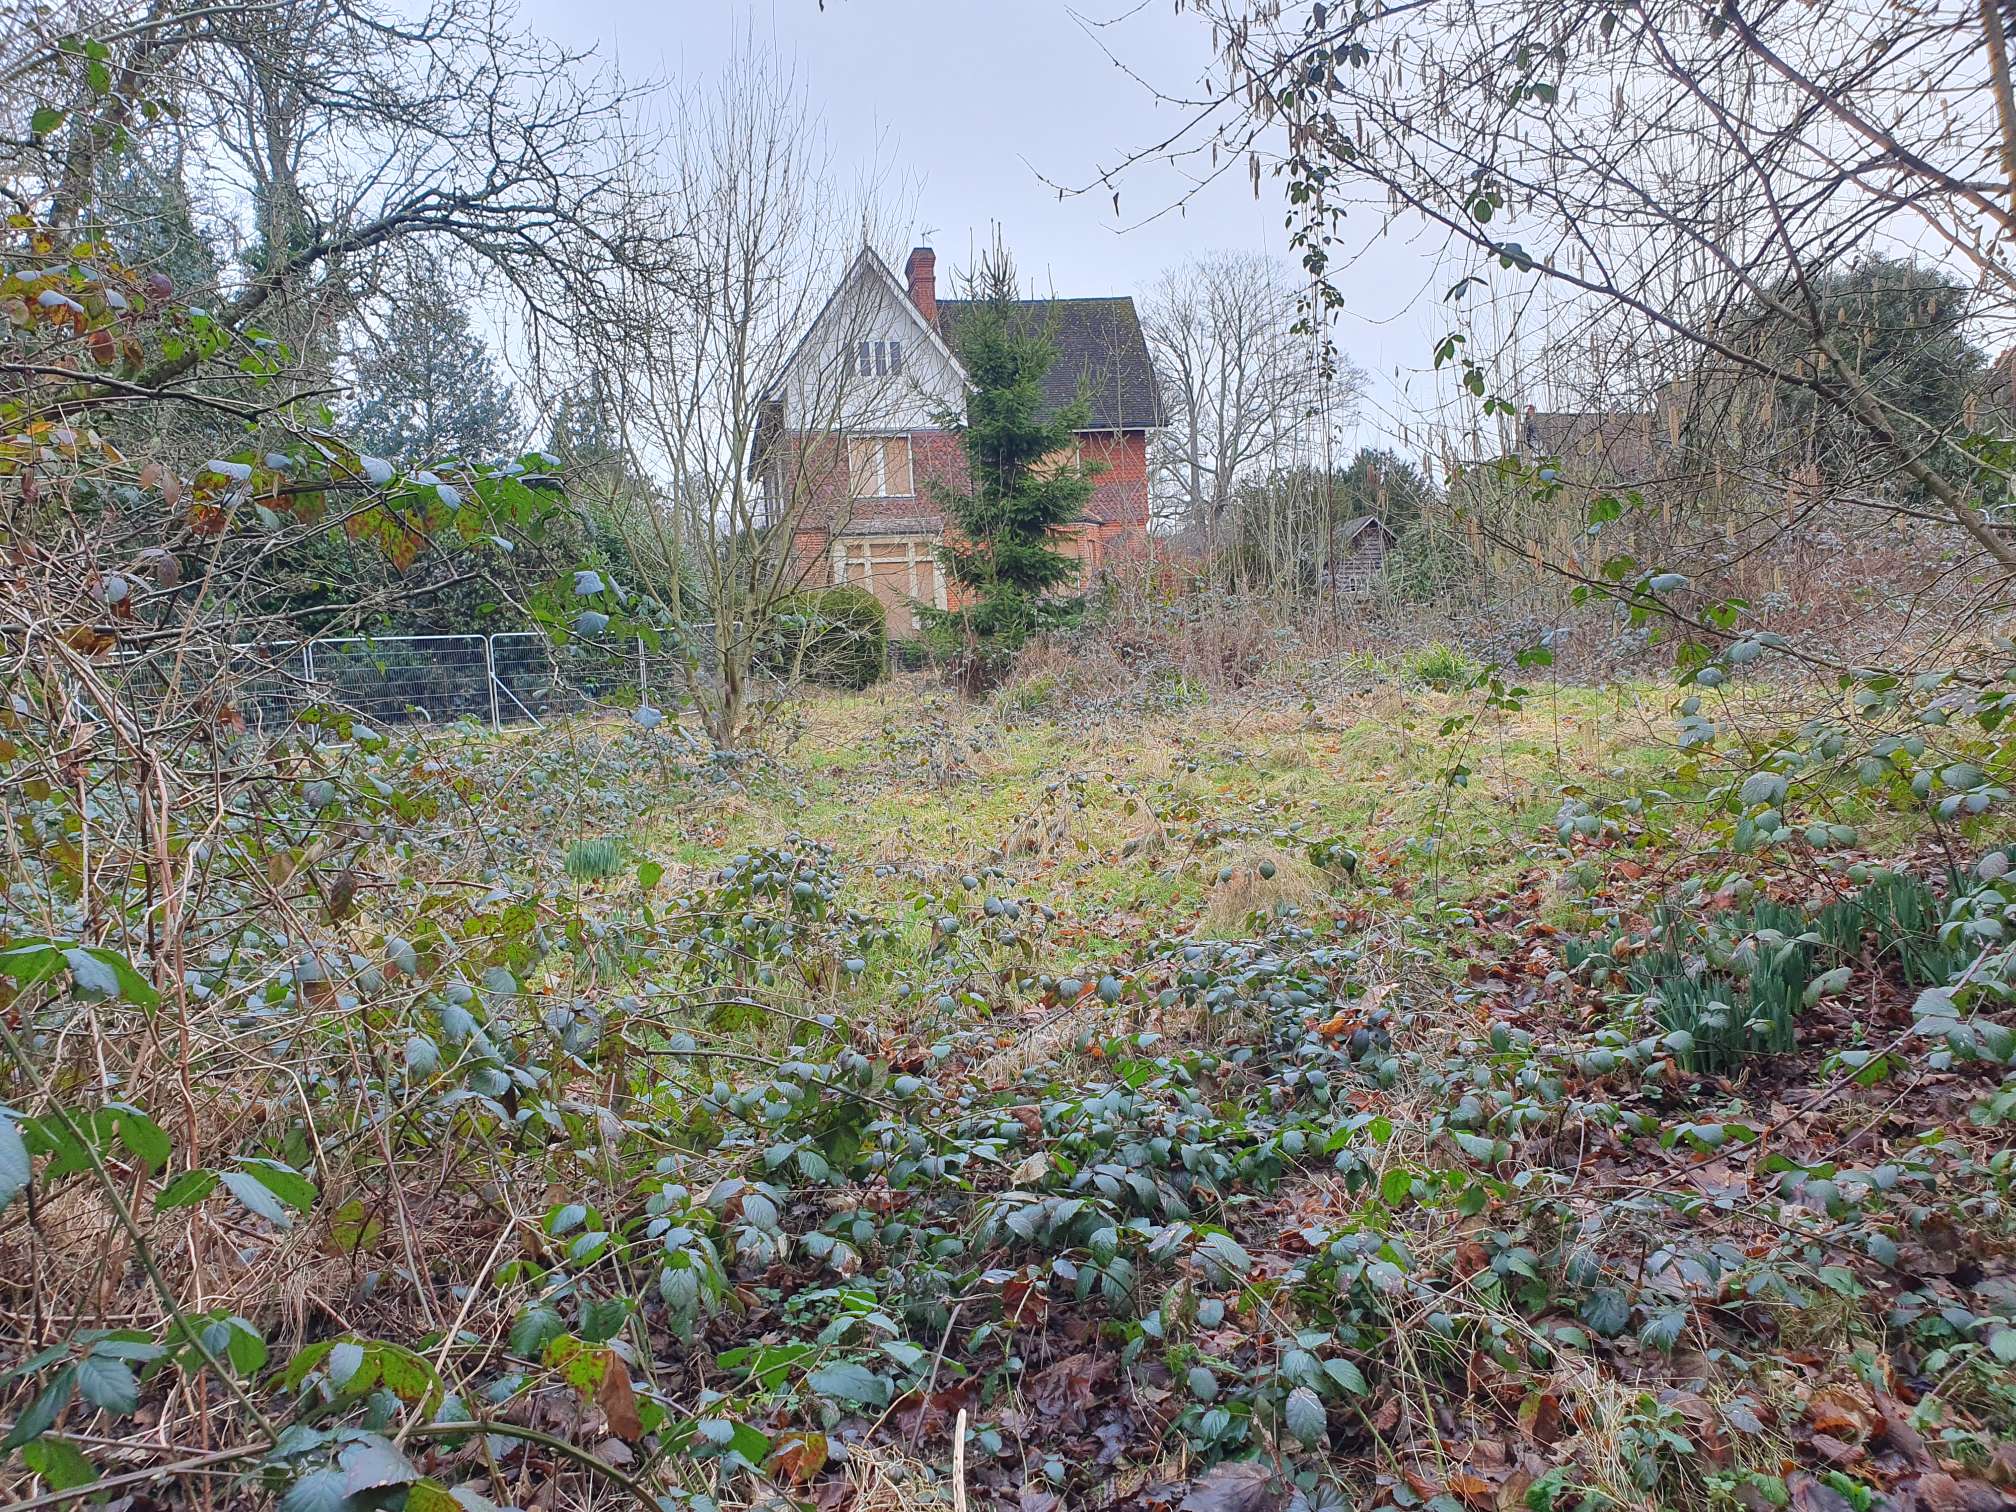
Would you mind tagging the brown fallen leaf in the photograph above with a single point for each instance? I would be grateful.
(617, 1401)
(1834, 1412)
(1238, 1486)
(798, 1456)
(1476, 1490)
(1540, 1416)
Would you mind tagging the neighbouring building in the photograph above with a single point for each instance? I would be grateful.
(856, 433)
(1357, 555)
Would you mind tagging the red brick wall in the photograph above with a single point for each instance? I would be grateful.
(1120, 494)
(1115, 527)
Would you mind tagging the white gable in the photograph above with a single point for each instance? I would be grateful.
(870, 362)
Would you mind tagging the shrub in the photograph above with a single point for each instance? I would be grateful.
(836, 637)
(1441, 666)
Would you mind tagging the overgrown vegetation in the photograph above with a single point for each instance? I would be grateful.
(1242, 1063)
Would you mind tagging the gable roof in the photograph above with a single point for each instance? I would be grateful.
(1347, 533)
(868, 263)
(1099, 343)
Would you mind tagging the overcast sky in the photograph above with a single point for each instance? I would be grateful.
(972, 104)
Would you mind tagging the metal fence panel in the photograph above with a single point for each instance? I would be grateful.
(513, 677)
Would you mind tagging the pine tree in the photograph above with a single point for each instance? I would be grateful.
(1003, 549)
(427, 386)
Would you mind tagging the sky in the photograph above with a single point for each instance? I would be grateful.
(971, 105)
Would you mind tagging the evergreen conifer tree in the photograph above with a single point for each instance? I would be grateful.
(1024, 481)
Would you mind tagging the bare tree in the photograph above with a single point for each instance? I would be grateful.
(320, 134)
(1245, 385)
(1675, 199)
(736, 391)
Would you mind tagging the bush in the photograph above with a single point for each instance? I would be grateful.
(1441, 666)
(836, 637)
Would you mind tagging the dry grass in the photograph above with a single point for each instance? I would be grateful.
(1254, 879)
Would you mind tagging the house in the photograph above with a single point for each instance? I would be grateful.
(856, 434)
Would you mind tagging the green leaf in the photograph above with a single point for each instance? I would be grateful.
(89, 976)
(346, 1359)
(1347, 1375)
(256, 1196)
(283, 1181)
(31, 961)
(45, 120)
(108, 1383)
(144, 1137)
(186, 1190)
(2002, 1345)
(16, 1171)
(602, 1317)
(59, 1463)
(850, 1384)
(1304, 1416)
(374, 1463)
(317, 1491)
(244, 1346)
(1607, 1310)
(107, 974)
(537, 1326)
(43, 1411)
(1396, 1186)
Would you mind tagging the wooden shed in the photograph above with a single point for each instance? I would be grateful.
(1357, 556)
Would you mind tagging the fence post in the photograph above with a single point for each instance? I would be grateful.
(490, 673)
(643, 674)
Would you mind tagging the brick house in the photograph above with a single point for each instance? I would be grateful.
(855, 435)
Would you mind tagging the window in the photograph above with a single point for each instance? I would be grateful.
(1064, 459)
(879, 466)
(872, 359)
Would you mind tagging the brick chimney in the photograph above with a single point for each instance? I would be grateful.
(920, 272)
